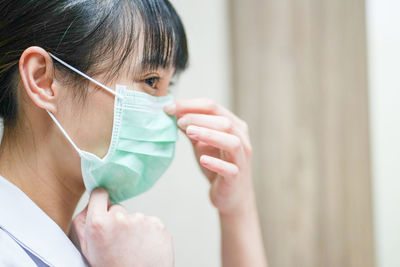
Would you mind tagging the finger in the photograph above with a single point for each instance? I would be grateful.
(98, 202)
(221, 167)
(224, 141)
(209, 106)
(156, 221)
(198, 105)
(79, 221)
(215, 122)
(78, 229)
(201, 105)
(138, 216)
(117, 208)
(219, 123)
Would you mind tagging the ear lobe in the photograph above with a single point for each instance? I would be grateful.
(37, 70)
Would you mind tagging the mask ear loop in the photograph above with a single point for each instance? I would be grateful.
(90, 79)
(65, 133)
(86, 76)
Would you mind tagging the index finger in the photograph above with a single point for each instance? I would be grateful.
(208, 107)
(201, 106)
(98, 202)
(198, 105)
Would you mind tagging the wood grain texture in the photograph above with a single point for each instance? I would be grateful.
(300, 80)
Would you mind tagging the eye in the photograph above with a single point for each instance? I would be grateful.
(152, 81)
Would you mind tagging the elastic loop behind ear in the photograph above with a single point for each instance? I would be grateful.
(65, 133)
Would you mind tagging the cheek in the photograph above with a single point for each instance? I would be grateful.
(96, 123)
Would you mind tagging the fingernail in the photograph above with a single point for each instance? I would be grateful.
(170, 109)
(206, 160)
(192, 131)
(183, 123)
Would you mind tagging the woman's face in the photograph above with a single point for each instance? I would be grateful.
(90, 122)
(87, 120)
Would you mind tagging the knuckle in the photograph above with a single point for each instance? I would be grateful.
(245, 126)
(97, 227)
(132, 220)
(138, 216)
(249, 150)
(228, 125)
(156, 221)
(120, 219)
(211, 104)
(187, 117)
(117, 207)
(236, 143)
(97, 222)
(235, 172)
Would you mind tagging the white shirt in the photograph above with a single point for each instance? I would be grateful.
(28, 236)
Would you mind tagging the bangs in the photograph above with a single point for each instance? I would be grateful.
(150, 36)
(163, 36)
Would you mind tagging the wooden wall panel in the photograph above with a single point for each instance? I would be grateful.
(300, 80)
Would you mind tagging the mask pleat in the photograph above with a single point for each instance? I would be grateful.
(142, 147)
(149, 120)
(161, 149)
(168, 134)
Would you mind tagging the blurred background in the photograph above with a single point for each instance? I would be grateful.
(318, 83)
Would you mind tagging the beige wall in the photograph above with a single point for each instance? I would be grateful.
(300, 80)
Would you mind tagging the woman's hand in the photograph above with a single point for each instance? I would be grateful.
(222, 147)
(109, 236)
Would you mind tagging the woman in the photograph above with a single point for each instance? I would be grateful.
(84, 98)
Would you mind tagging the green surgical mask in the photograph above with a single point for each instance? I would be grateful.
(142, 144)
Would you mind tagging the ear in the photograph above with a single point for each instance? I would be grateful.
(37, 72)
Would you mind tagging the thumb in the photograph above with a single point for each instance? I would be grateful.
(78, 230)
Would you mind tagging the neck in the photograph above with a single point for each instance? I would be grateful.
(28, 163)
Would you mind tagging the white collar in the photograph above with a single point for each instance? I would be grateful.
(34, 229)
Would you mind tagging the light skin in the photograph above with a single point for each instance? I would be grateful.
(110, 236)
(37, 158)
(222, 147)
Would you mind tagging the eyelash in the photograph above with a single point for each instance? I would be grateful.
(152, 81)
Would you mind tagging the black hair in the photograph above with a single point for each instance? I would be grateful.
(86, 34)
